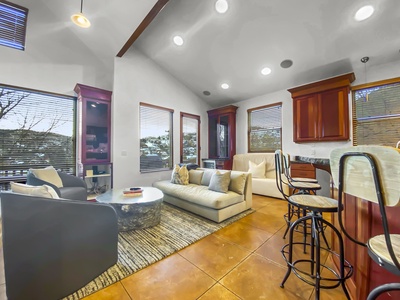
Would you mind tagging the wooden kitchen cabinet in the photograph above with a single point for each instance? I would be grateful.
(302, 170)
(321, 110)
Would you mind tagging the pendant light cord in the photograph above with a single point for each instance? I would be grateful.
(81, 5)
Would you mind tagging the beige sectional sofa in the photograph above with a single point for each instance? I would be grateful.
(262, 184)
(196, 197)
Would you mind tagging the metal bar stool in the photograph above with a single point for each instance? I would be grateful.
(372, 173)
(311, 273)
(299, 187)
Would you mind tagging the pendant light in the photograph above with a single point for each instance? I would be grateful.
(80, 20)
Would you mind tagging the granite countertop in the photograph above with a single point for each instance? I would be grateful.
(311, 160)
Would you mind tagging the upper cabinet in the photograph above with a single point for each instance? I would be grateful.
(222, 134)
(94, 124)
(321, 110)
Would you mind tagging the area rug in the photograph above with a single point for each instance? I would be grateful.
(138, 249)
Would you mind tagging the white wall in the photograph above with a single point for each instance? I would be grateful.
(320, 149)
(138, 79)
(54, 60)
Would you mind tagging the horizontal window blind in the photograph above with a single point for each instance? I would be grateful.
(265, 128)
(13, 20)
(377, 114)
(36, 130)
(155, 138)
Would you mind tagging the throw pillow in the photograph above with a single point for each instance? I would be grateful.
(257, 171)
(208, 173)
(220, 182)
(195, 176)
(48, 174)
(45, 190)
(238, 183)
(180, 175)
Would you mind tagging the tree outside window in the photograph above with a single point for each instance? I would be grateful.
(36, 130)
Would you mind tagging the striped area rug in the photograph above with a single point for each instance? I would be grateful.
(140, 248)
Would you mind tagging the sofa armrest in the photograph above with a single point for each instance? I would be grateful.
(65, 243)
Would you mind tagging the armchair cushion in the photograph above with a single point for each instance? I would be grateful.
(45, 190)
(48, 174)
(73, 187)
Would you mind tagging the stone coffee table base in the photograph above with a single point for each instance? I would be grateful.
(143, 215)
(135, 212)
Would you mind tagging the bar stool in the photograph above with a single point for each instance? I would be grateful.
(372, 173)
(298, 188)
(316, 205)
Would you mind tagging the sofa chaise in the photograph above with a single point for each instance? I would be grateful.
(198, 198)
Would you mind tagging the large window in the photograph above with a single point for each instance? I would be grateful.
(265, 128)
(13, 20)
(36, 130)
(190, 138)
(376, 113)
(155, 138)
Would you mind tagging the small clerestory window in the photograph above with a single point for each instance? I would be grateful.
(13, 20)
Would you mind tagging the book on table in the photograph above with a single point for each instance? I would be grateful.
(133, 192)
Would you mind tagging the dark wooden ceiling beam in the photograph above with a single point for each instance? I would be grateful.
(142, 26)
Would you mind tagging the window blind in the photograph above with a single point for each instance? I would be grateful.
(265, 128)
(377, 113)
(155, 138)
(13, 20)
(36, 130)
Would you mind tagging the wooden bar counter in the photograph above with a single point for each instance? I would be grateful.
(362, 219)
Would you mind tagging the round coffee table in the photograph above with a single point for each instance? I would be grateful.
(135, 212)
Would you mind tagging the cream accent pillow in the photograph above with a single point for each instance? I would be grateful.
(220, 182)
(48, 174)
(208, 173)
(257, 171)
(180, 175)
(238, 183)
(195, 176)
(45, 190)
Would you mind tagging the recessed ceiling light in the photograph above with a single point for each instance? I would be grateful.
(221, 6)
(225, 86)
(364, 13)
(206, 93)
(178, 40)
(287, 63)
(266, 71)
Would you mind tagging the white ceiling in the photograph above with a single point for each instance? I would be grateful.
(320, 36)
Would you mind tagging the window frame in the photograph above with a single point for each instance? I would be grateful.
(18, 172)
(17, 27)
(368, 85)
(171, 111)
(190, 116)
(249, 131)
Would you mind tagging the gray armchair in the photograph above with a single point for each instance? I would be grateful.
(54, 247)
(73, 187)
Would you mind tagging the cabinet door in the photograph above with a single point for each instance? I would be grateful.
(223, 136)
(96, 131)
(305, 114)
(333, 117)
(212, 137)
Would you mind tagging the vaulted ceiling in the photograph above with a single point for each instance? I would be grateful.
(321, 37)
